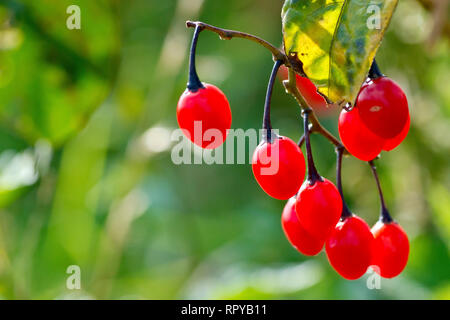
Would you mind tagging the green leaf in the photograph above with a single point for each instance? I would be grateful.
(335, 41)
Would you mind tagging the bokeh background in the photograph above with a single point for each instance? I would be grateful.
(86, 176)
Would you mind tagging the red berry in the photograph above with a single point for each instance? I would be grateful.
(296, 234)
(357, 138)
(310, 94)
(391, 249)
(349, 248)
(205, 109)
(318, 207)
(383, 107)
(308, 91)
(279, 167)
(393, 143)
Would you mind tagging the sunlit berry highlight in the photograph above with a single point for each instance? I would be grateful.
(357, 138)
(299, 238)
(318, 207)
(391, 249)
(205, 116)
(383, 107)
(279, 167)
(349, 247)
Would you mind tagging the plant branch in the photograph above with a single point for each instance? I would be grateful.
(226, 34)
(316, 126)
(290, 84)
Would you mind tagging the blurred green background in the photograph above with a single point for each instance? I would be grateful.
(86, 176)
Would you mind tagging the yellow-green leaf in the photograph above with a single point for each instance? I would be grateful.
(335, 41)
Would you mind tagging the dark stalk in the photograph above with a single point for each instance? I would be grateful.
(375, 71)
(301, 141)
(194, 82)
(267, 125)
(345, 210)
(313, 175)
(385, 217)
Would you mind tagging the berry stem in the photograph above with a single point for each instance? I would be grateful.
(194, 82)
(301, 141)
(313, 175)
(225, 34)
(375, 71)
(267, 125)
(385, 216)
(345, 210)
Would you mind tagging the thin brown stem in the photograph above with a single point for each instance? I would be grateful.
(226, 34)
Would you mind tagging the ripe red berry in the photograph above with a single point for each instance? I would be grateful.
(393, 143)
(202, 110)
(318, 207)
(349, 248)
(357, 138)
(279, 167)
(391, 249)
(310, 94)
(296, 234)
(308, 91)
(383, 107)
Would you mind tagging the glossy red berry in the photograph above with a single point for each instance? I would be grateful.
(383, 107)
(318, 207)
(279, 167)
(204, 116)
(357, 138)
(393, 143)
(308, 91)
(310, 94)
(296, 234)
(391, 249)
(349, 248)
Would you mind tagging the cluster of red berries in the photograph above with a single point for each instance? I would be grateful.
(315, 214)
(310, 222)
(378, 121)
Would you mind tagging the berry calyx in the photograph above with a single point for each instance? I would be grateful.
(349, 247)
(203, 111)
(279, 167)
(383, 107)
(299, 238)
(318, 207)
(357, 138)
(391, 249)
(393, 143)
